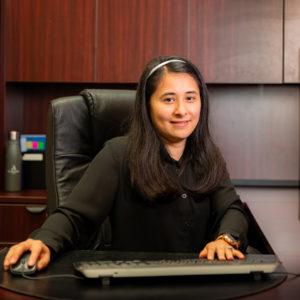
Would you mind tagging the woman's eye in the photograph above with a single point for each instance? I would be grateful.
(190, 99)
(169, 100)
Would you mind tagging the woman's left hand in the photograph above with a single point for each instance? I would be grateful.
(222, 249)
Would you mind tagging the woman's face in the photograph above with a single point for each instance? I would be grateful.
(175, 107)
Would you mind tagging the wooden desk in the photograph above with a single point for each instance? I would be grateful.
(8, 295)
(189, 289)
(290, 290)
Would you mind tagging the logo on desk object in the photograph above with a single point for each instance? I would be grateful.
(13, 170)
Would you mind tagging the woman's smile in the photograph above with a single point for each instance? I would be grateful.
(180, 123)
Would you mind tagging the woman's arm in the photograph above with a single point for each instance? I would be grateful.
(228, 216)
(87, 207)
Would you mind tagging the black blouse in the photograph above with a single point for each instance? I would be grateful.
(185, 223)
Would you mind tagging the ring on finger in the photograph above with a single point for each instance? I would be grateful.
(230, 247)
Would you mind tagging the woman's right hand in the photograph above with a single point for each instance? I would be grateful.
(39, 252)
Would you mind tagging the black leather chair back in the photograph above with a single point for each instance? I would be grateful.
(77, 128)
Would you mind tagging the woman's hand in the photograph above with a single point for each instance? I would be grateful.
(223, 250)
(39, 251)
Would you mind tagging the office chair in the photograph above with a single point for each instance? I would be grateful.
(77, 128)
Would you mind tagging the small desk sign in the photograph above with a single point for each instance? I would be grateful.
(33, 159)
(32, 142)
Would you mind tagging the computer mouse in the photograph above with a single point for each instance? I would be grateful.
(21, 267)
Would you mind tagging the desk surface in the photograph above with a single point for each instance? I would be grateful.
(288, 290)
(208, 287)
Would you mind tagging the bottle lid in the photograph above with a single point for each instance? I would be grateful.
(13, 135)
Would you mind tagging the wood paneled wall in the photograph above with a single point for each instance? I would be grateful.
(112, 40)
(50, 40)
(132, 32)
(2, 88)
(54, 48)
(237, 41)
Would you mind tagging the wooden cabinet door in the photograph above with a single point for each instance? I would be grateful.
(237, 41)
(132, 32)
(112, 40)
(18, 221)
(292, 41)
(50, 40)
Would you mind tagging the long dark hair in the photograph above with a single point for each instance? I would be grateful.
(145, 147)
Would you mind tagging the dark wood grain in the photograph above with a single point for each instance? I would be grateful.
(237, 41)
(23, 197)
(21, 222)
(61, 43)
(50, 40)
(132, 32)
(8, 295)
(2, 91)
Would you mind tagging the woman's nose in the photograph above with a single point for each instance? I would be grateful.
(180, 108)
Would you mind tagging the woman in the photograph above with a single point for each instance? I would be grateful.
(164, 185)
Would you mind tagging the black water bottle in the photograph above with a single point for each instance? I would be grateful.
(13, 164)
